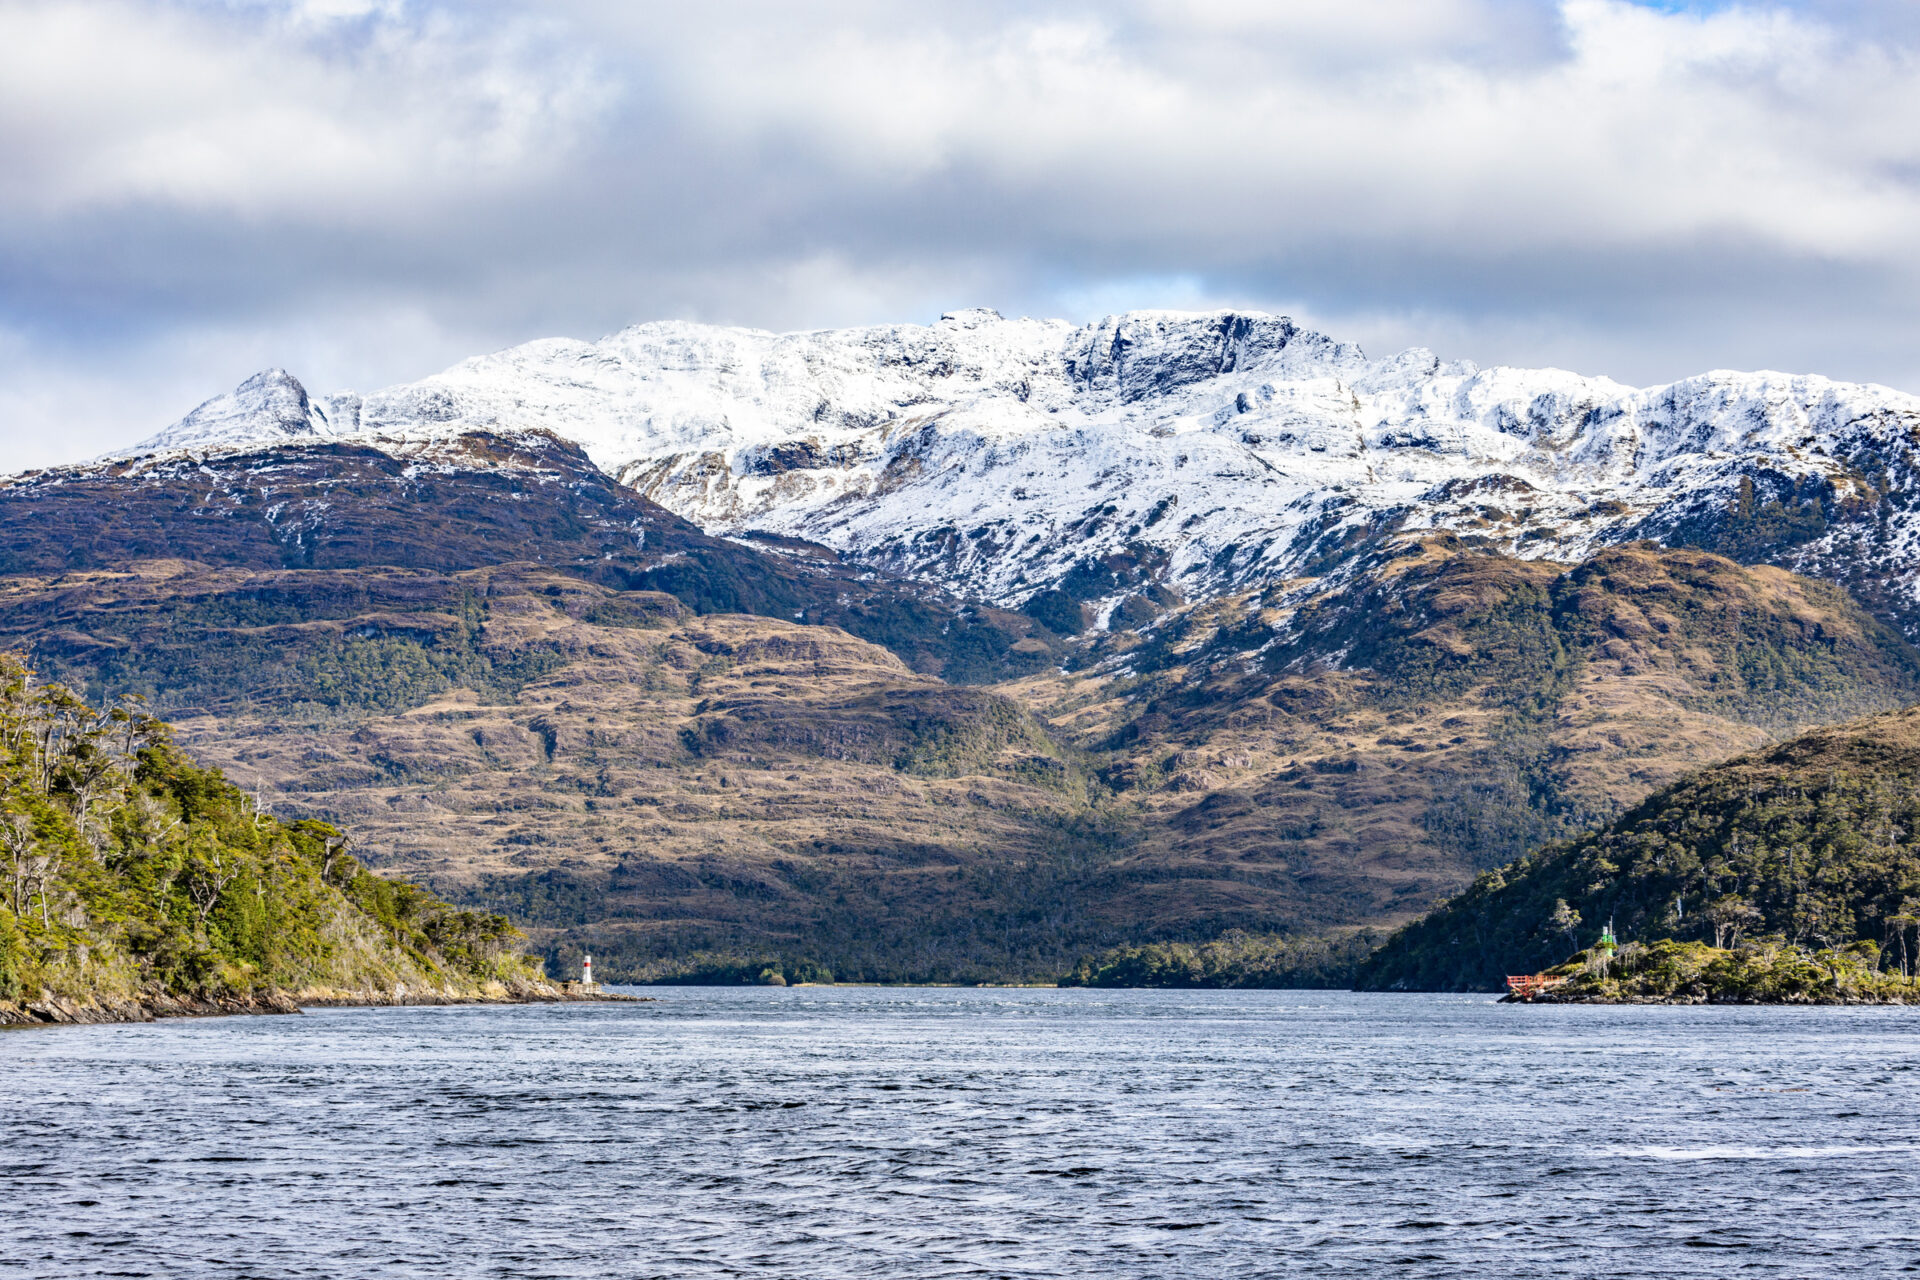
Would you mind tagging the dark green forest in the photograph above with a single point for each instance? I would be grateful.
(1812, 845)
(127, 871)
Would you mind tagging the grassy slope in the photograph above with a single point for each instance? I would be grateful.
(128, 874)
(617, 772)
(624, 776)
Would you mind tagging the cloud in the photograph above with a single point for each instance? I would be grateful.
(314, 113)
(364, 190)
(1644, 129)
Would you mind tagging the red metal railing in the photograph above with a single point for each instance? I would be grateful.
(1528, 985)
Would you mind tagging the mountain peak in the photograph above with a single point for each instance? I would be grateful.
(1177, 454)
(267, 407)
(971, 316)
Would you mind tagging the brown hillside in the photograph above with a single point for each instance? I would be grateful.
(615, 769)
(593, 755)
(1484, 705)
(473, 502)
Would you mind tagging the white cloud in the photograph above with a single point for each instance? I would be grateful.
(1646, 125)
(319, 110)
(351, 188)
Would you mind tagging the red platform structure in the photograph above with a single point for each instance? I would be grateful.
(1528, 985)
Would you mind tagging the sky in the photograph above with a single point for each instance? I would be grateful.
(366, 191)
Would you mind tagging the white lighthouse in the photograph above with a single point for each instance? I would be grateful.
(586, 972)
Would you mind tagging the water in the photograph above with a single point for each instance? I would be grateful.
(907, 1132)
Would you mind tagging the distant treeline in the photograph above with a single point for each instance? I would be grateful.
(1235, 959)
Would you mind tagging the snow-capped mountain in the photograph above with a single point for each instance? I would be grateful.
(1175, 454)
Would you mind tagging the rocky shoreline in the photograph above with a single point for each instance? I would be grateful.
(1708, 999)
(150, 1006)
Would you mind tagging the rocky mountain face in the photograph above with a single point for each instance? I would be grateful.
(960, 651)
(471, 501)
(1117, 470)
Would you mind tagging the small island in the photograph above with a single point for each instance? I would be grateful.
(1668, 971)
(135, 884)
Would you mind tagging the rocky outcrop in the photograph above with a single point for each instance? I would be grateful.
(53, 1010)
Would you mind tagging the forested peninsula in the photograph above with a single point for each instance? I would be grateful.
(1786, 875)
(136, 884)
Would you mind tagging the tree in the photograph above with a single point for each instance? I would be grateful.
(1908, 917)
(335, 844)
(1566, 920)
(33, 866)
(207, 879)
(1730, 916)
(16, 836)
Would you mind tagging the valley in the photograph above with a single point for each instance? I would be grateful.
(620, 773)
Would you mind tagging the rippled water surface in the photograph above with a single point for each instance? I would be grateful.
(905, 1133)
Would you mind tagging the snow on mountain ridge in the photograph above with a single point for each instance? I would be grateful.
(270, 404)
(1183, 453)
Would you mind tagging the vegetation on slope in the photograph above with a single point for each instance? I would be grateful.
(1813, 844)
(128, 873)
(1236, 959)
(473, 502)
(1448, 709)
(626, 775)
(1768, 971)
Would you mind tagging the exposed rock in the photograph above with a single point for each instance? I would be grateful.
(1000, 458)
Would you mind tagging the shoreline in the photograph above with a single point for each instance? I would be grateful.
(59, 1011)
(1860, 1002)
